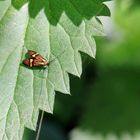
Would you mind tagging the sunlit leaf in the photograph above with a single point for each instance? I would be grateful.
(57, 29)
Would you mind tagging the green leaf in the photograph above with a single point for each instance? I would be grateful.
(50, 28)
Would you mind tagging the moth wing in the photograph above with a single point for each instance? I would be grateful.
(40, 58)
(35, 59)
(39, 61)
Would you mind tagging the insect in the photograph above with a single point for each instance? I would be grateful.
(35, 60)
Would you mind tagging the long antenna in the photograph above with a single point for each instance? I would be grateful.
(57, 56)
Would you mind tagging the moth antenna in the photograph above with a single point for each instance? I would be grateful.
(56, 57)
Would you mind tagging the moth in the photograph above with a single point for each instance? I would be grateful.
(35, 60)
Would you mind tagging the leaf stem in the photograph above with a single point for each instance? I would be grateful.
(40, 124)
(42, 114)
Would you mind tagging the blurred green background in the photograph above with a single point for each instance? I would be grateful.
(105, 102)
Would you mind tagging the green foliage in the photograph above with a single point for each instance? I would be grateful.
(50, 28)
(114, 102)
